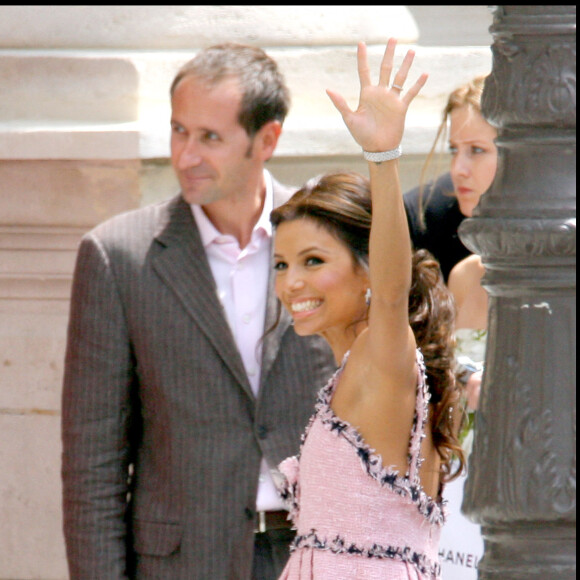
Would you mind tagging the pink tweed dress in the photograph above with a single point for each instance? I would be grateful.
(356, 518)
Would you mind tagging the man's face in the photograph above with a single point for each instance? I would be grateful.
(211, 153)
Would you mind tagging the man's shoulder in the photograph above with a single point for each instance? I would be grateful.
(144, 219)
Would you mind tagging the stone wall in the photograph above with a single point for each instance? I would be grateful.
(84, 135)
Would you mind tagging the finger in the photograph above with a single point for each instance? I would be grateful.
(364, 72)
(401, 76)
(414, 90)
(339, 102)
(387, 63)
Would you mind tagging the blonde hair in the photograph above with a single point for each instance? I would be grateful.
(467, 95)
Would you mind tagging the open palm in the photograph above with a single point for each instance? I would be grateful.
(379, 120)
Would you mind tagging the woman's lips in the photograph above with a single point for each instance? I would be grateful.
(304, 306)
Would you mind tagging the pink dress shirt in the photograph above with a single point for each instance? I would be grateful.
(241, 276)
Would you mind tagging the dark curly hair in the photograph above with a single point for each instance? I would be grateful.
(340, 202)
(432, 318)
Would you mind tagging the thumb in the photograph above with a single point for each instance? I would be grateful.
(339, 102)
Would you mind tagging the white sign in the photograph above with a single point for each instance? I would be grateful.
(461, 546)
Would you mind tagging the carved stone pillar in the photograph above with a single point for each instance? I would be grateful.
(521, 486)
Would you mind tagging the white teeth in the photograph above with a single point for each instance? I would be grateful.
(305, 306)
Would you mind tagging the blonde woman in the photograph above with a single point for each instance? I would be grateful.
(435, 209)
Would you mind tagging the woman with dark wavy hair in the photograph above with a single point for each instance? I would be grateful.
(365, 493)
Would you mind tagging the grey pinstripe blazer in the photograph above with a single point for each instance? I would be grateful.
(153, 380)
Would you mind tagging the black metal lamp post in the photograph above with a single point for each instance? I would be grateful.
(521, 486)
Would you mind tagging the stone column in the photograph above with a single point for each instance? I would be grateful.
(522, 479)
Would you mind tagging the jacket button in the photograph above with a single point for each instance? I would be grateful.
(249, 513)
(262, 432)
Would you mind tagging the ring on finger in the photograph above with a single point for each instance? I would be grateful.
(395, 86)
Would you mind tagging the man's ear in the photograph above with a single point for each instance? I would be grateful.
(267, 137)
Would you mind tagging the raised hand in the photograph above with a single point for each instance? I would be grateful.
(379, 121)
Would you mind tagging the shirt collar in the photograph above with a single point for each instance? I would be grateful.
(208, 232)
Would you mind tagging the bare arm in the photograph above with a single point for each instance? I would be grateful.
(377, 125)
(470, 296)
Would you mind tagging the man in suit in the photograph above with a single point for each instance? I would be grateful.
(179, 399)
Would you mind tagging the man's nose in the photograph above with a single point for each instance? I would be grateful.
(189, 156)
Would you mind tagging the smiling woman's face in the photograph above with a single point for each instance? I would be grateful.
(317, 279)
(474, 156)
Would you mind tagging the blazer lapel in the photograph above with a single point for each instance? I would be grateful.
(181, 262)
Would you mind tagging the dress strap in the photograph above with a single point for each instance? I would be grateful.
(420, 420)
